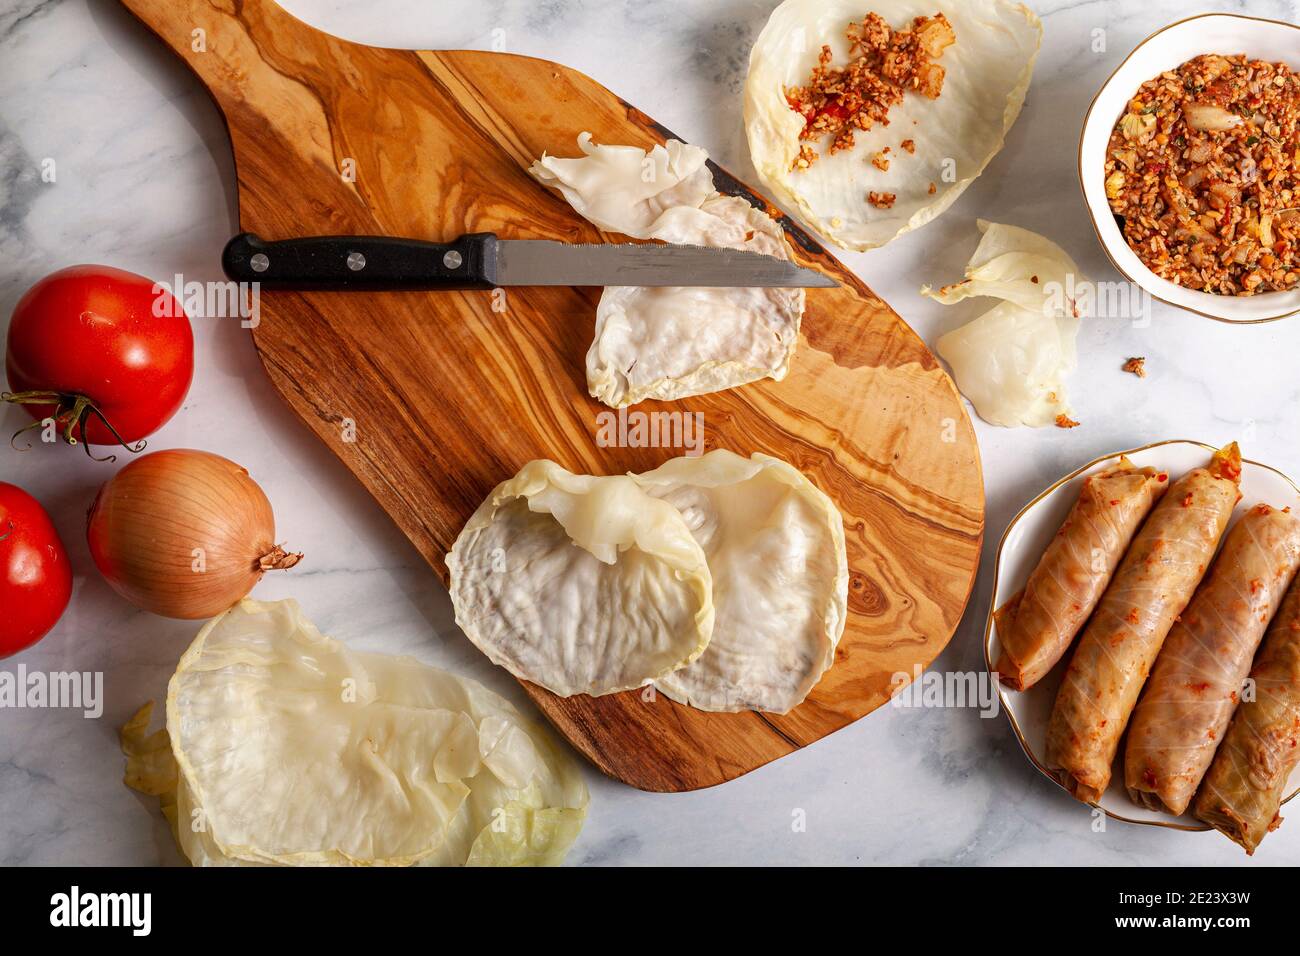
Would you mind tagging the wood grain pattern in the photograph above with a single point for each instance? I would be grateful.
(449, 397)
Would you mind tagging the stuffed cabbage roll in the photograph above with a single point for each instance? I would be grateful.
(1037, 626)
(1151, 587)
(1198, 676)
(1248, 780)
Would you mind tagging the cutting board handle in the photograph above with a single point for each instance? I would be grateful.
(215, 37)
(176, 20)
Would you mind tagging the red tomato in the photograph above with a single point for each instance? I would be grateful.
(90, 341)
(35, 577)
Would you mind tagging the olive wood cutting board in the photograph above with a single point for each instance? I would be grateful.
(431, 399)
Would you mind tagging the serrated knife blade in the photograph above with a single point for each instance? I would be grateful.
(543, 262)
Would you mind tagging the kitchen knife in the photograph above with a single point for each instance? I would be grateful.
(482, 261)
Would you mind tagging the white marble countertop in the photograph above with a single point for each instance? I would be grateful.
(144, 182)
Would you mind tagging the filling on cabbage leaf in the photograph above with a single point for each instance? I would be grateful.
(283, 747)
(935, 147)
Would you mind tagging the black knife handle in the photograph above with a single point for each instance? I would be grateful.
(363, 263)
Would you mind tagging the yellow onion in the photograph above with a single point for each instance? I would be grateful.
(184, 533)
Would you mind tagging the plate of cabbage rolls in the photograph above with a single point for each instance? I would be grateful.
(1145, 636)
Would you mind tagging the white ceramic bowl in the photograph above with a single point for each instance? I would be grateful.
(1023, 544)
(1177, 43)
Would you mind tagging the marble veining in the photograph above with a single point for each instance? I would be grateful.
(144, 181)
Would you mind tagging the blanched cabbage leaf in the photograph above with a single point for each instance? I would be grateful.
(626, 189)
(667, 343)
(289, 749)
(1012, 361)
(775, 547)
(582, 584)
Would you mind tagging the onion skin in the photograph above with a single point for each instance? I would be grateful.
(183, 533)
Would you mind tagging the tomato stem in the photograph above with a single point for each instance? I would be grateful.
(73, 410)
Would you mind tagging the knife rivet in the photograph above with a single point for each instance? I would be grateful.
(260, 262)
(356, 261)
(452, 259)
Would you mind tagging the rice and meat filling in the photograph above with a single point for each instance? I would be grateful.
(884, 63)
(1202, 170)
